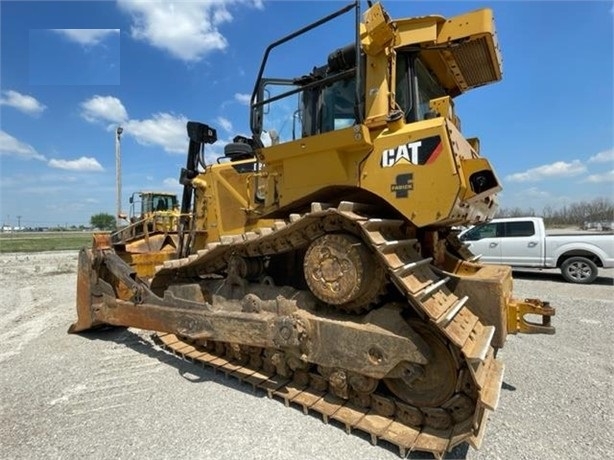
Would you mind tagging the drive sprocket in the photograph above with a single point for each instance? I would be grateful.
(341, 271)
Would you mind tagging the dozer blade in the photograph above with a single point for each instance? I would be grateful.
(84, 293)
(85, 274)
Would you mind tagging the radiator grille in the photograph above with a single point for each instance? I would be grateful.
(475, 63)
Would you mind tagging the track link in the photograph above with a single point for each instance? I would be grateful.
(461, 418)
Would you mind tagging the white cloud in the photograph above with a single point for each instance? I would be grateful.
(86, 37)
(598, 178)
(22, 102)
(186, 30)
(104, 108)
(171, 183)
(80, 164)
(606, 156)
(163, 129)
(13, 147)
(554, 170)
(244, 99)
(534, 192)
(225, 124)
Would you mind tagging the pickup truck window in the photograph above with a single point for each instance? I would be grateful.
(522, 228)
(491, 230)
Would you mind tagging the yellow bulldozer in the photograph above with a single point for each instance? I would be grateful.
(317, 260)
(151, 236)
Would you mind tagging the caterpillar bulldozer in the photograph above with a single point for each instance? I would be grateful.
(151, 235)
(317, 260)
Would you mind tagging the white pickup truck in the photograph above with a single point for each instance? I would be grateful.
(522, 242)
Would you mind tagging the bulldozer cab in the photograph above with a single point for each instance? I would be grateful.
(145, 204)
(411, 66)
(154, 218)
(328, 105)
(378, 116)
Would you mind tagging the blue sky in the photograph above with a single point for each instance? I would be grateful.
(72, 71)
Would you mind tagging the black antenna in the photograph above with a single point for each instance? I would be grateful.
(358, 105)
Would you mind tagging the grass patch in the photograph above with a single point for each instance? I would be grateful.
(44, 241)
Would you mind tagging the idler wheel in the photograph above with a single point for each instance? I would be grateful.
(430, 385)
(341, 271)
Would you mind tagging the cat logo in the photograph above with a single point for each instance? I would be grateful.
(407, 152)
(420, 152)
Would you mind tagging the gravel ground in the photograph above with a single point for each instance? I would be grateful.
(114, 394)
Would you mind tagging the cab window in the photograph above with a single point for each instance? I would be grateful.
(414, 81)
(491, 230)
(523, 228)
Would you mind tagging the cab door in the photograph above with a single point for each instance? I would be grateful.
(520, 245)
(484, 240)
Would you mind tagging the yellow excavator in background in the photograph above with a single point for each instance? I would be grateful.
(316, 260)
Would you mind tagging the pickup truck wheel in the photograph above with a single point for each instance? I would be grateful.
(579, 270)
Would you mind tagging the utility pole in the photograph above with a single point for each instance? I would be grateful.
(18, 222)
(118, 173)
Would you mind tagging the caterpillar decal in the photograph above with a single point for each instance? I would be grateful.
(419, 152)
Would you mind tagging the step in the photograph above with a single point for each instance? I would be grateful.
(491, 390)
(476, 347)
(398, 252)
(410, 267)
(475, 441)
(433, 441)
(392, 245)
(374, 424)
(402, 436)
(431, 288)
(479, 369)
(448, 316)
(319, 207)
(438, 303)
(352, 207)
(461, 326)
(380, 231)
(263, 231)
(307, 398)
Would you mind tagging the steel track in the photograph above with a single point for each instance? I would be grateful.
(462, 418)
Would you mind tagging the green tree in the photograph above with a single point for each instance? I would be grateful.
(103, 221)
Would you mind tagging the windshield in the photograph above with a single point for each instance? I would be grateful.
(491, 230)
(415, 82)
(158, 203)
(303, 113)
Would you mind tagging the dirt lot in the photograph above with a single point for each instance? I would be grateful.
(113, 394)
